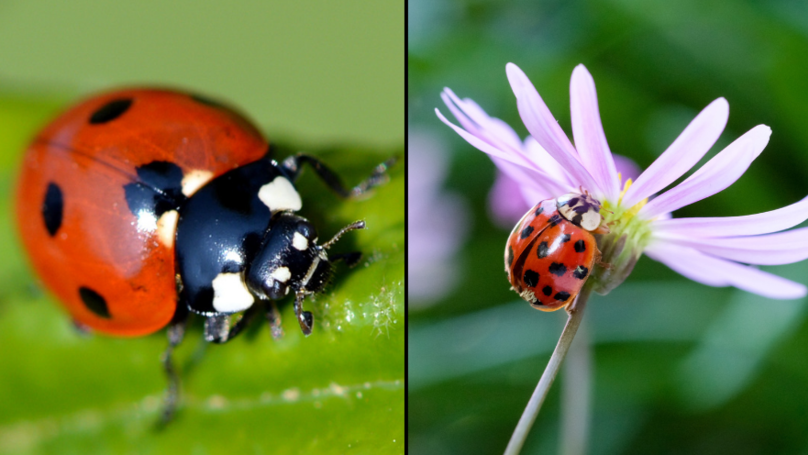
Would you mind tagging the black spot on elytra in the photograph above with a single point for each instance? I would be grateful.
(547, 290)
(110, 111)
(510, 256)
(580, 272)
(53, 208)
(539, 211)
(542, 250)
(565, 238)
(558, 269)
(526, 232)
(554, 220)
(580, 246)
(531, 278)
(158, 189)
(562, 296)
(94, 302)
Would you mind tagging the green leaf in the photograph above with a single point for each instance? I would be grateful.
(339, 390)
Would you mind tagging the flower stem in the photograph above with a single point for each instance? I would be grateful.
(550, 372)
(576, 391)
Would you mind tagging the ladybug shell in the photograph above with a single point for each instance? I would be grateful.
(109, 260)
(548, 258)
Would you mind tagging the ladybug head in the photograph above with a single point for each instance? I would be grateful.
(289, 258)
(580, 209)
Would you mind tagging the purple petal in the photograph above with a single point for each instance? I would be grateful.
(514, 158)
(771, 249)
(683, 154)
(506, 201)
(544, 127)
(426, 163)
(538, 155)
(761, 223)
(684, 264)
(719, 272)
(475, 120)
(587, 129)
(626, 167)
(717, 174)
(495, 137)
(533, 186)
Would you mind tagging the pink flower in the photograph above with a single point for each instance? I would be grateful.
(437, 222)
(712, 251)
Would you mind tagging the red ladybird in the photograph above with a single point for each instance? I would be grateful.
(140, 206)
(551, 251)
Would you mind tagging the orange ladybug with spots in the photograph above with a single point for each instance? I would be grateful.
(551, 251)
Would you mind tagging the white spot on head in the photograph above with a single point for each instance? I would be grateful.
(279, 195)
(167, 227)
(195, 180)
(281, 274)
(590, 220)
(299, 242)
(230, 294)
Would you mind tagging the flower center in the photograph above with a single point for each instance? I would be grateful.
(623, 245)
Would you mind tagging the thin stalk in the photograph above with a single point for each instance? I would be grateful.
(550, 372)
(576, 392)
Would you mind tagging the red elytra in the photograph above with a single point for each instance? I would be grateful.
(83, 234)
(548, 257)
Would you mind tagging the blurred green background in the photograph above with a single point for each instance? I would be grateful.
(324, 77)
(678, 367)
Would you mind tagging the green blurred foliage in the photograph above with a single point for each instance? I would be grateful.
(317, 76)
(679, 367)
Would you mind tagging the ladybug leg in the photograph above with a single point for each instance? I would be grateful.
(218, 330)
(274, 319)
(175, 332)
(305, 318)
(379, 176)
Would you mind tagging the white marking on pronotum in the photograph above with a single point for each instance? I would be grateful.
(281, 274)
(585, 212)
(167, 227)
(195, 180)
(299, 242)
(230, 294)
(279, 194)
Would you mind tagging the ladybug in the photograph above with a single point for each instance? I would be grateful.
(551, 251)
(139, 207)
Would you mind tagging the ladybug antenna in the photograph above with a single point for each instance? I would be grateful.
(351, 227)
